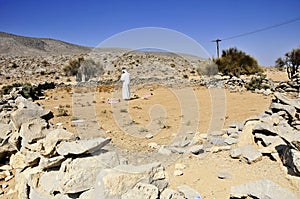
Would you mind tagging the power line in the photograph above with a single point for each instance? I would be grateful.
(263, 29)
(255, 31)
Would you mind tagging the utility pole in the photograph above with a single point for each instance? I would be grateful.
(217, 41)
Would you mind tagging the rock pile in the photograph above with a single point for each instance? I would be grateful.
(50, 162)
(274, 133)
(237, 84)
(290, 86)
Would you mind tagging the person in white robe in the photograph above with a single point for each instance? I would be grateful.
(125, 78)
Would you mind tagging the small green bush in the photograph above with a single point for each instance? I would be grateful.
(256, 82)
(236, 62)
(28, 90)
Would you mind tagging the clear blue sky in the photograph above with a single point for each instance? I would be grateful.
(89, 22)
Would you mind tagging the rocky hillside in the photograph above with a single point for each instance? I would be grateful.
(13, 45)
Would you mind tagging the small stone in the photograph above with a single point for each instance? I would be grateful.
(178, 173)
(153, 145)
(217, 140)
(179, 166)
(217, 133)
(236, 153)
(230, 141)
(251, 154)
(149, 136)
(224, 175)
(231, 131)
(196, 149)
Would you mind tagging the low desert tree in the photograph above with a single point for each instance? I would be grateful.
(236, 62)
(72, 67)
(83, 69)
(291, 61)
(88, 70)
(279, 64)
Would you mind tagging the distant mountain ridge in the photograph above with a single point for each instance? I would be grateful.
(15, 45)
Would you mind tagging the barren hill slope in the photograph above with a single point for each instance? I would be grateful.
(14, 45)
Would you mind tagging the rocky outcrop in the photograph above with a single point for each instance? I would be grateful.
(274, 133)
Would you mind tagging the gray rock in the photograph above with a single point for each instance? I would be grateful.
(170, 194)
(79, 174)
(224, 175)
(27, 111)
(53, 137)
(282, 98)
(292, 138)
(217, 133)
(196, 149)
(268, 140)
(33, 130)
(265, 128)
(112, 183)
(141, 191)
(261, 189)
(149, 136)
(251, 154)
(49, 182)
(32, 158)
(108, 159)
(46, 163)
(230, 141)
(236, 153)
(248, 152)
(291, 159)
(179, 150)
(34, 194)
(275, 107)
(188, 192)
(81, 146)
(217, 140)
(231, 131)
